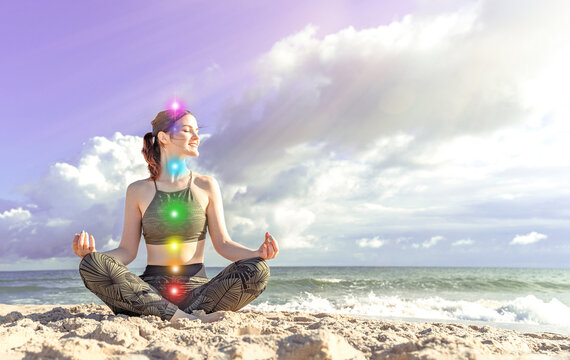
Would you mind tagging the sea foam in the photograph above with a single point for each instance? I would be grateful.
(525, 310)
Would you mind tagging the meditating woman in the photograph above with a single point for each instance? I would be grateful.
(174, 207)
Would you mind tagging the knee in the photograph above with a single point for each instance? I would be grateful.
(92, 266)
(261, 270)
(85, 261)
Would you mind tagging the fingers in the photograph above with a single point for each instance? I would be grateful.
(85, 241)
(75, 242)
(92, 247)
(271, 245)
(270, 250)
(274, 244)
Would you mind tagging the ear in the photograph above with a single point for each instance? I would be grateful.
(162, 137)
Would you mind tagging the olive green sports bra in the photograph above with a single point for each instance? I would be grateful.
(174, 217)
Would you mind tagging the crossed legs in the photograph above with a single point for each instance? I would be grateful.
(126, 293)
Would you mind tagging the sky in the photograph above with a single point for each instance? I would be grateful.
(358, 133)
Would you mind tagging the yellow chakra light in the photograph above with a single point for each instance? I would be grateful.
(174, 242)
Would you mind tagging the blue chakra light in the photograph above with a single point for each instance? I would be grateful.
(176, 167)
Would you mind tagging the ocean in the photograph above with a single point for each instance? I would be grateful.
(523, 299)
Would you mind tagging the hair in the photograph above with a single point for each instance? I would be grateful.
(163, 121)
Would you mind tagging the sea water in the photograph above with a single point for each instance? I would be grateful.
(524, 299)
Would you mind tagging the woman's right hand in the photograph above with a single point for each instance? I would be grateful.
(81, 246)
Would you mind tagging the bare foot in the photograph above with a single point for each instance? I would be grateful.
(199, 315)
(211, 317)
(179, 314)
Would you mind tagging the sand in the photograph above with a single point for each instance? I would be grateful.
(90, 331)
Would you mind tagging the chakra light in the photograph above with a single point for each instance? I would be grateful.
(175, 105)
(174, 212)
(174, 290)
(175, 167)
(174, 243)
(175, 269)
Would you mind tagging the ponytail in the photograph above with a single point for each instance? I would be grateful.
(151, 153)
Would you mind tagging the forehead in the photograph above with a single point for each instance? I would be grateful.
(187, 120)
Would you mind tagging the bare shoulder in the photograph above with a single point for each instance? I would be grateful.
(203, 181)
(141, 188)
(139, 184)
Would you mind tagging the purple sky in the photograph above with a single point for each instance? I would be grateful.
(73, 70)
(357, 132)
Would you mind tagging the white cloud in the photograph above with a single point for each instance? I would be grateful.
(70, 198)
(438, 109)
(403, 239)
(18, 214)
(436, 122)
(462, 242)
(432, 241)
(529, 238)
(375, 242)
(58, 222)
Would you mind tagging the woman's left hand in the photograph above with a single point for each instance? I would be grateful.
(269, 249)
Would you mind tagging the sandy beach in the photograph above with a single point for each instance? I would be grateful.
(90, 331)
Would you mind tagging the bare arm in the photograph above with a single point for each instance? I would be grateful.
(221, 240)
(129, 246)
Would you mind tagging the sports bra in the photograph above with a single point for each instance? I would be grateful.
(174, 217)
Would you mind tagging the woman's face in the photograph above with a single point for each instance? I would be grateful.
(184, 139)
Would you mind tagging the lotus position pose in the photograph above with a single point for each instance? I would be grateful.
(174, 207)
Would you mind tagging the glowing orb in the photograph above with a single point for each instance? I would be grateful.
(175, 268)
(175, 105)
(174, 213)
(174, 291)
(176, 166)
(174, 242)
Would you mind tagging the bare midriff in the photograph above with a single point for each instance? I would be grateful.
(186, 253)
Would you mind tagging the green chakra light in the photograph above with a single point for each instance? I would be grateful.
(174, 212)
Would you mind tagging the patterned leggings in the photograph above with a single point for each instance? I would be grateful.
(161, 294)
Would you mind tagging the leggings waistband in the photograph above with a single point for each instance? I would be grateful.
(198, 270)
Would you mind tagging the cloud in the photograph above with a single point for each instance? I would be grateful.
(429, 77)
(69, 198)
(444, 122)
(529, 238)
(403, 239)
(432, 241)
(438, 123)
(462, 242)
(375, 242)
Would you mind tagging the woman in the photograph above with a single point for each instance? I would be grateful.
(170, 208)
